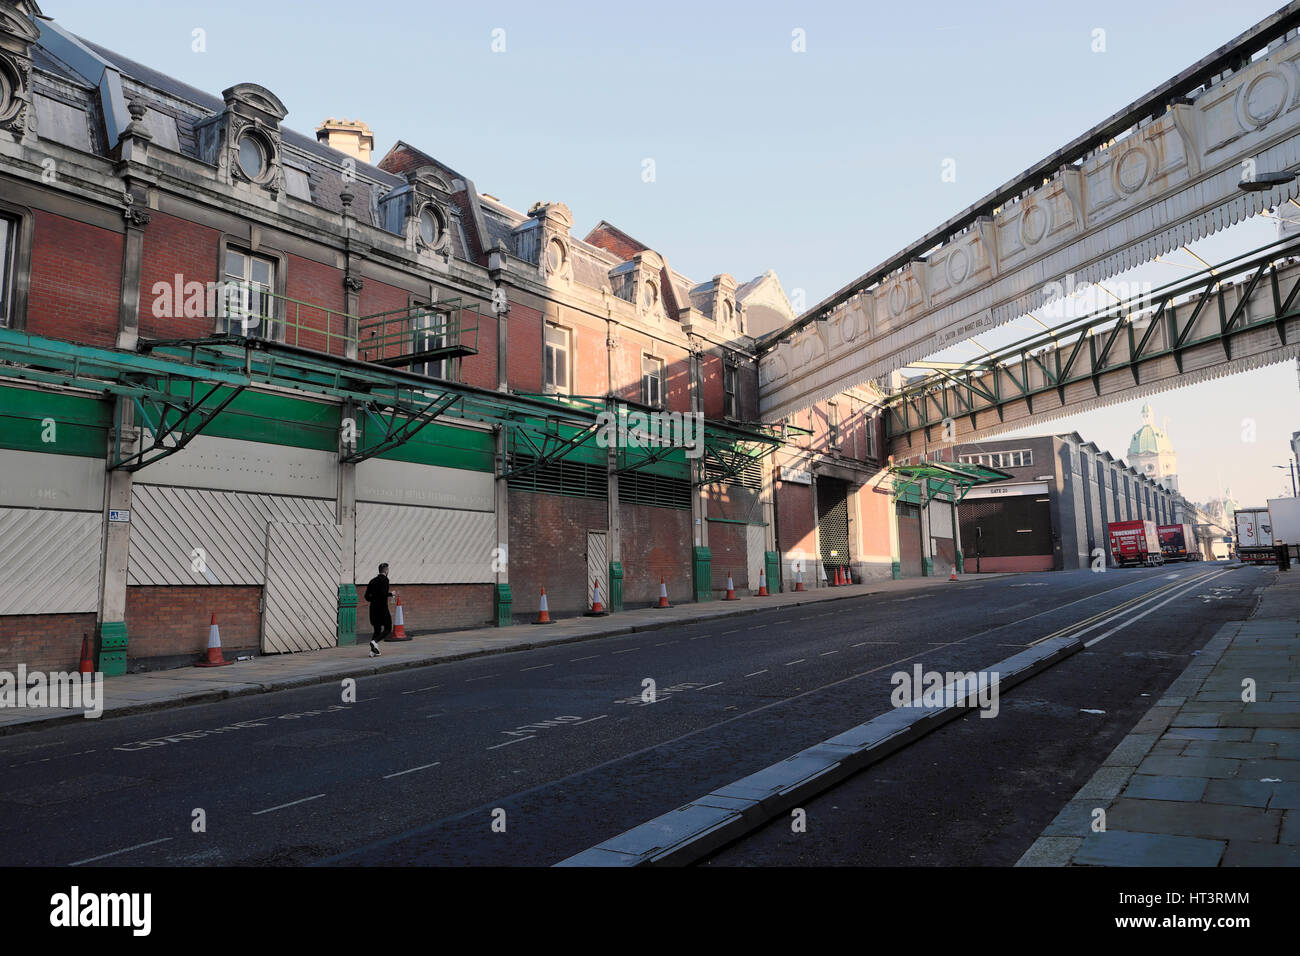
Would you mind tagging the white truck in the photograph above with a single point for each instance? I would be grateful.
(1255, 536)
(1285, 516)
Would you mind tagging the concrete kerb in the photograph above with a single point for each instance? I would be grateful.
(369, 667)
(710, 822)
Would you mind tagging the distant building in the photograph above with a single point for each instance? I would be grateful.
(1152, 453)
(1053, 513)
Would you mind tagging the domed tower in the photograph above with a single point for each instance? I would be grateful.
(1152, 453)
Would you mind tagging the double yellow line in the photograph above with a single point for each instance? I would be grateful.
(1131, 602)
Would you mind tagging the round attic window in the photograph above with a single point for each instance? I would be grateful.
(252, 157)
(430, 227)
(650, 296)
(555, 255)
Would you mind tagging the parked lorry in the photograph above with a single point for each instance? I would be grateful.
(1285, 514)
(1135, 543)
(1255, 536)
(1178, 542)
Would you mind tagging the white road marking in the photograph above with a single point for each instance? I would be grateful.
(627, 650)
(419, 689)
(707, 686)
(515, 741)
(574, 660)
(665, 643)
(590, 719)
(756, 673)
(105, 856)
(828, 653)
(537, 668)
(1178, 592)
(799, 661)
(470, 680)
(293, 803)
(364, 699)
(758, 627)
(732, 631)
(412, 770)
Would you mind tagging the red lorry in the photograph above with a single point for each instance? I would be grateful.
(1135, 542)
(1178, 542)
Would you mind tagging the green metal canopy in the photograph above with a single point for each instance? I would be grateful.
(178, 387)
(923, 482)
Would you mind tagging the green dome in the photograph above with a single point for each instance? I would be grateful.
(1149, 440)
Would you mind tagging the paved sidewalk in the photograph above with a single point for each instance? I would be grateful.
(1204, 779)
(156, 690)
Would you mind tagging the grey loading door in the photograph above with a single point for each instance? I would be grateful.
(833, 522)
(300, 594)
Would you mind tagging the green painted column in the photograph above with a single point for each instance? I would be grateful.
(112, 648)
(502, 602)
(772, 568)
(347, 626)
(702, 568)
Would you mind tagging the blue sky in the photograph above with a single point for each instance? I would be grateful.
(818, 164)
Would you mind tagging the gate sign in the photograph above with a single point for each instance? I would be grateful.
(120, 516)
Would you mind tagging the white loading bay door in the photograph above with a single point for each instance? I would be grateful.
(597, 565)
(301, 589)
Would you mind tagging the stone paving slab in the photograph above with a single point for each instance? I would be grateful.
(1220, 786)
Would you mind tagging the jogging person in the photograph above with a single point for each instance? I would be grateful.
(378, 594)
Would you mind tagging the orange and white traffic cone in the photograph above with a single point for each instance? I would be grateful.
(825, 582)
(543, 612)
(731, 590)
(399, 624)
(954, 573)
(848, 576)
(663, 592)
(87, 662)
(798, 580)
(214, 658)
(762, 584)
(839, 578)
(596, 606)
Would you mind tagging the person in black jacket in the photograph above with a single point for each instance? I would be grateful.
(378, 593)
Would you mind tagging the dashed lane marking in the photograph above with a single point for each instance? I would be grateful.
(420, 689)
(590, 719)
(828, 653)
(732, 631)
(574, 660)
(537, 668)
(399, 773)
(707, 686)
(515, 741)
(470, 680)
(292, 803)
(626, 650)
(799, 661)
(105, 856)
(756, 673)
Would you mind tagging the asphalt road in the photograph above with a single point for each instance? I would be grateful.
(528, 757)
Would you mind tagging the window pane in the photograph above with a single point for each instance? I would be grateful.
(234, 264)
(561, 370)
(262, 272)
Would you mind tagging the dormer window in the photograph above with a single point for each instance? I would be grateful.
(252, 157)
(431, 228)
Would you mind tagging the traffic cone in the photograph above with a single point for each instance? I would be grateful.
(762, 584)
(839, 578)
(848, 575)
(543, 612)
(822, 565)
(663, 592)
(87, 663)
(399, 625)
(596, 606)
(214, 648)
(954, 573)
(798, 580)
(731, 590)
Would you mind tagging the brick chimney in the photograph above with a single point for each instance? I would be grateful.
(347, 136)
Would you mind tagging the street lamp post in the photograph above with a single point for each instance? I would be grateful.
(1290, 466)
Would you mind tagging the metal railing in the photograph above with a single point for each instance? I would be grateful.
(421, 333)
